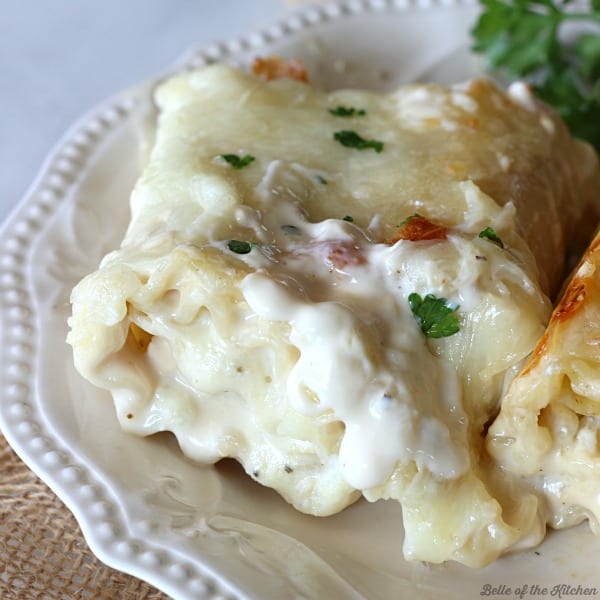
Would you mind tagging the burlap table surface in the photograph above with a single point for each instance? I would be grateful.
(42, 551)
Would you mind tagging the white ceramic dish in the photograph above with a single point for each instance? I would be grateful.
(198, 532)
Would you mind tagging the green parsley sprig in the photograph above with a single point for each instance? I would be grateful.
(435, 316)
(351, 139)
(237, 162)
(490, 234)
(244, 247)
(239, 246)
(347, 111)
(525, 39)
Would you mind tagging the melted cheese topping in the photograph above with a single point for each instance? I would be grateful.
(301, 356)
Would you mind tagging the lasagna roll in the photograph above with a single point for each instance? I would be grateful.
(335, 288)
(547, 432)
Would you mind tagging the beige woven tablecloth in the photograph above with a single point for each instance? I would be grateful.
(42, 552)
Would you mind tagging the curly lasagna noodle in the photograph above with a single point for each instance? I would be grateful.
(336, 288)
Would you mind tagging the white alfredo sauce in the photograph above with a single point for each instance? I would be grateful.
(363, 356)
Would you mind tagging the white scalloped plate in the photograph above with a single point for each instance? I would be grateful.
(192, 531)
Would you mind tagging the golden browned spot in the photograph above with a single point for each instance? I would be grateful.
(571, 301)
(482, 88)
(456, 168)
(142, 338)
(569, 304)
(275, 67)
(472, 122)
(418, 228)
(594, 247)
(129, 416)
(538, 352)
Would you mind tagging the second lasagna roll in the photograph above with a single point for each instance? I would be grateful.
(548, 430)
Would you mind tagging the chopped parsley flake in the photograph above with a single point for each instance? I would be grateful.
(290, 229)
(239, 247)
(491, 235)
(320, 179)
(348, 218)
(351, 139)
(435, 316)
(237, 162)
(347, 111)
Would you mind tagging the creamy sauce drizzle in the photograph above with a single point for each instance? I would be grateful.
(363, 357)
